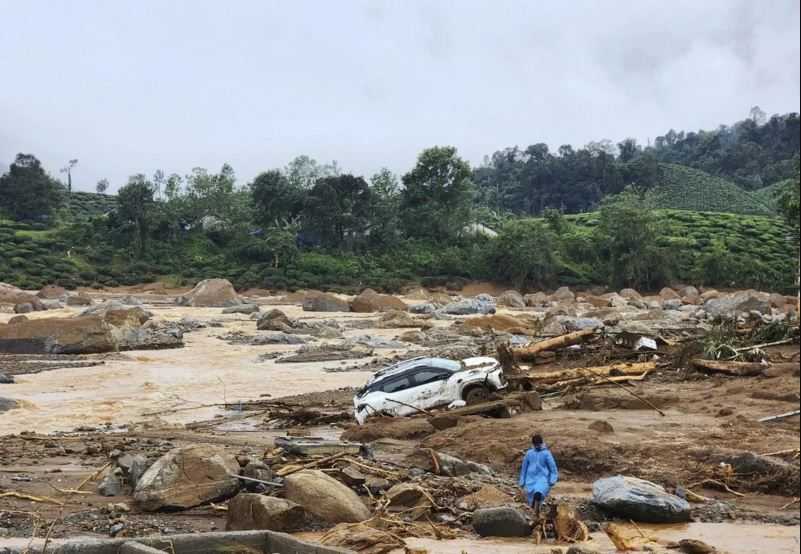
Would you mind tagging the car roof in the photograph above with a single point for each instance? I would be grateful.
(400, 367)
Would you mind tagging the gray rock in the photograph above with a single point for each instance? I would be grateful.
(52, 303)
(581, 550)
(187, 324)
(672, 304)
(640, 500)
(504, 521)
(186, 477)
(456, 467)
(241, 309)
(133, 466)
(580, 323)
(111, 485)
(7, 404)
(24, 308)
(255, 511)
(425, 308)
(6, 379)
(257, 470)
(375, 342)
(277, 337)
(470, 306)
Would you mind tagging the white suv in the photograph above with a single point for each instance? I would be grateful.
(408, 387)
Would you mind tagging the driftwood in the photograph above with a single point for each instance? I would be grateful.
(289, 470)
(530, 352)
(780, 416)
(734, 369)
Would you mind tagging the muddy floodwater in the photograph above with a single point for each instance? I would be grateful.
(734, 538)
(128, 387)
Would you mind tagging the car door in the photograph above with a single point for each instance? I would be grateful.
(429, 388)
(393, 392)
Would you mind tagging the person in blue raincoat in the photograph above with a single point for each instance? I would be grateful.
(538, 473)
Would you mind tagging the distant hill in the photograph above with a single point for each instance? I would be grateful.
(684, 188)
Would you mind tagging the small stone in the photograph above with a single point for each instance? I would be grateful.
(6, 379)
(116, 529)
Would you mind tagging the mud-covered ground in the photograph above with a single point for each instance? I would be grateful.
(74, 412)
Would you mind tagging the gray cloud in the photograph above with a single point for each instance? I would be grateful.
(135, 86)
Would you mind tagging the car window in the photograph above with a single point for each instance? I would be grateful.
(396, 384)
(426, 375)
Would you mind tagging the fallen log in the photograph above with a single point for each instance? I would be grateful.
(528, 353)
(613, 370)
(734, 369)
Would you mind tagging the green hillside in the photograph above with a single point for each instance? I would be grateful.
(768, 195)
(84, 205)
(684, 188)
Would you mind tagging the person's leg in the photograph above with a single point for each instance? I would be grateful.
(537, 504)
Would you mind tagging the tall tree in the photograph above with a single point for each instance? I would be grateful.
(435, 203)
(136, 205)
(27, 191)
(275, 197)
(338, 210)
(102, 186)
(385, 196)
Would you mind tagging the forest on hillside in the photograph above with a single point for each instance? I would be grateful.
(508, 220)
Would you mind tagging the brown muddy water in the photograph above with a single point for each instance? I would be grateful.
(733, 538)
(206, 371)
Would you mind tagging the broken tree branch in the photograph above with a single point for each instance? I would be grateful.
(530, 352)
(23, 496)
(735, 369)
(421, 410)
(765, 345)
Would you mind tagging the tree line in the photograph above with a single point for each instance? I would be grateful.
(205, 219)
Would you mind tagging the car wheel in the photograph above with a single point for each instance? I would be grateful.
(476, 395)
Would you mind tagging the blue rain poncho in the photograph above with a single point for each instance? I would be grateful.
(538, 473)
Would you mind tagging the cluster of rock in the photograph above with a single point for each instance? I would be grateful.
(107, 327)
(51, 297)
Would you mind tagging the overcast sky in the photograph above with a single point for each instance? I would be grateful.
(133, 86)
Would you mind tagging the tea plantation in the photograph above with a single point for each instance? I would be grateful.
(685, 188)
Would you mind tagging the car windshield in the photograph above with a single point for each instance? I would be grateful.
(399, 380)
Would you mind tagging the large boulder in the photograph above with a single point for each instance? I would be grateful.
(52, 292)
(668, 293)
(630, 294)
(80, 299)
(512, 299)
(537, 300)
(324, 302)
(118, 314)
(325, 497)
(504, 521)
(563, 294)
(639, 500)
(370, 301)
(274, 320)
(187, 477)
(79, 335)
(12, 295)
(248, 511)
(210, 293)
